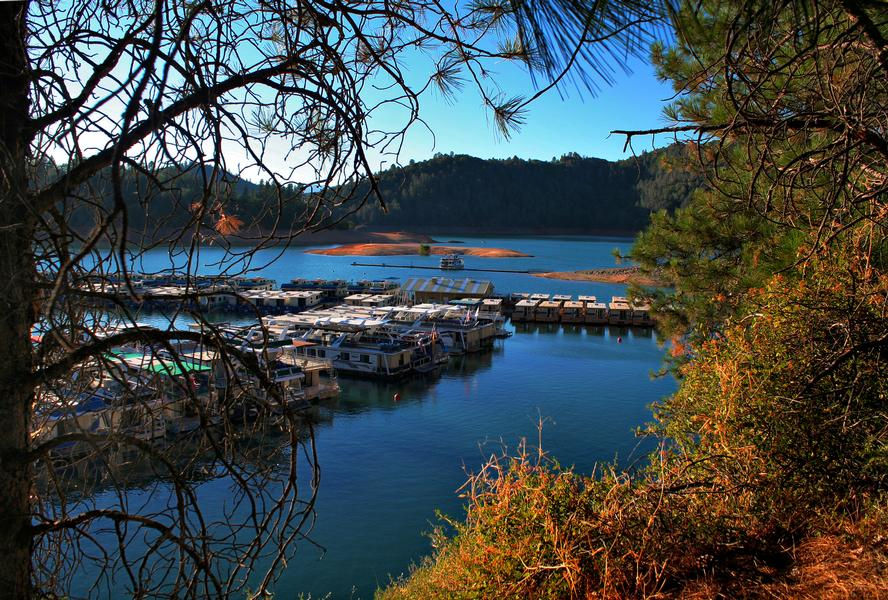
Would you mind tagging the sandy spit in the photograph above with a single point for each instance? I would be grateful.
(611, 275)
(413, 249)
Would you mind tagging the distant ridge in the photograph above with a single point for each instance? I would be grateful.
(447, 193)
(570, 194)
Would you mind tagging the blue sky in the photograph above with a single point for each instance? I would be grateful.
(574, 121)
(556, 123)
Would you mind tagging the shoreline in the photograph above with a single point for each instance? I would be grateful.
(249, 237)
(627, 275)
(412, 249)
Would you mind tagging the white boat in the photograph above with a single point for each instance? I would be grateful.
(452, 262)
(361, 346)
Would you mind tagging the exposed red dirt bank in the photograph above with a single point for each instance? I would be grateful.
(613, 275)
(408, 249)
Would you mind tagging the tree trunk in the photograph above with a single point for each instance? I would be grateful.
(17, 285)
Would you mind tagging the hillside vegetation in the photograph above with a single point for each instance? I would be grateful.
(446, 193)
(570, 193)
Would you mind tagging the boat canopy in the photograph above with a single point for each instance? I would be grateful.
(444, 285)
(348, 324)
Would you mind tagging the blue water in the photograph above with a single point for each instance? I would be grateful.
(548, 254)
(386, 466)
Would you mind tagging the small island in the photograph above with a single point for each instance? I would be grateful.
(626, 275)
(406, 249)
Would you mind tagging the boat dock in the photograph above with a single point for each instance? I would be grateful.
(258, 296)
(541, 308)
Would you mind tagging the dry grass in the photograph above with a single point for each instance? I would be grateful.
(850, 563)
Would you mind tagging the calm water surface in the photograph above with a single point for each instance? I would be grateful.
(386, 466)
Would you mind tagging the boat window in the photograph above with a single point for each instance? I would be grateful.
(365, 358)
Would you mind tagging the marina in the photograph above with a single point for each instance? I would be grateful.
(416, 432)
(301, 295)
(313, 335)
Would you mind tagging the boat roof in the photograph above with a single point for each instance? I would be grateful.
(448, 286)
(466, 301)
(85, 403)
(158, 365)
(527, 302)
(303, 343)
(348, 324)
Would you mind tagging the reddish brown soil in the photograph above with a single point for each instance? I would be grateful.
(404, 249)
(613, 275)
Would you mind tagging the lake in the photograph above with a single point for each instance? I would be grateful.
(386, 466)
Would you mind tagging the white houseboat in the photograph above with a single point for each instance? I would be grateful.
(452, 262)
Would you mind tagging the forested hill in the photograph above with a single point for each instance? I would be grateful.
(571, 193)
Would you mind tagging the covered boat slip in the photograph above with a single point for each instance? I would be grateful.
(573, 312)
(442, 289)
(548, 311)
(524, 310)
(586, 309)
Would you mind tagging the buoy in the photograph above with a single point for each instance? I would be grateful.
(620, 340)
(397, 397)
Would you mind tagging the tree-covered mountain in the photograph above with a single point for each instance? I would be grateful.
(570, 193)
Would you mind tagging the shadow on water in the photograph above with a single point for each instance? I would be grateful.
(578, 329)
(260, 446)
(362, 395)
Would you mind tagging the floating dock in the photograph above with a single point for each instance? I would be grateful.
(539, 308)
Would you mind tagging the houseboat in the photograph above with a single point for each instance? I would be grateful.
(573, 312)
(596, 313)
(548, 311)
(492, 310)
(182, 389)
(524, 310)
(251, 283)
(319, 382)
(452, 262)
(459, 330)
(619, 312)
(357, 299)
(329, 289)
(137, 414)
(357, 347)
(641, 315)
